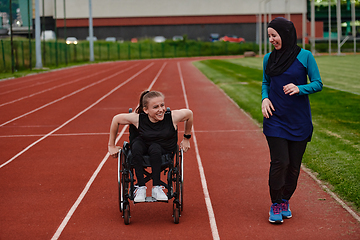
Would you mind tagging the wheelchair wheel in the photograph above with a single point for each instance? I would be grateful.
(177, 187)
(176, 215)
(179, 180)
(181, 170)
(123, 184)
(120, 181)
(126, 214)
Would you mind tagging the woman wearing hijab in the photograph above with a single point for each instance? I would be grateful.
(286, 109)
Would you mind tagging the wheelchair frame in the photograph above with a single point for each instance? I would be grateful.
(174, 185)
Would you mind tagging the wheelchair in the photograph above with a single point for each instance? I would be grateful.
(172, 167)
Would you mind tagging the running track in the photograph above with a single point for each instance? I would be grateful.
(57, 181)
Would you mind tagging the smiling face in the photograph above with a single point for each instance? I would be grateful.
(274, 38)
(155, 109)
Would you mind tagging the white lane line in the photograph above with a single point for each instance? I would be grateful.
(83, 193)
(55, 87)
(66, 96)
(25, 80)
(214, 229)
(92, 179)
(77, 115)
(38, 83)
(157, 76)
(339, 89)
(323, 186)
(54, 135)
(103, 133)
(38, 76)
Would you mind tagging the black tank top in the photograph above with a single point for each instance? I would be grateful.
(162, 132)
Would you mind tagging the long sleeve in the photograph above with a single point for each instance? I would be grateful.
(315, 85)
(265, 88)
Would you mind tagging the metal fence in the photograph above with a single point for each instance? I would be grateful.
(60, 53)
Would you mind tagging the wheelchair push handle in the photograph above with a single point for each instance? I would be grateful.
(167, 109)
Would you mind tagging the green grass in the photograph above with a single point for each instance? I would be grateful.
(240, 83)
(339, 72)
(334, 151)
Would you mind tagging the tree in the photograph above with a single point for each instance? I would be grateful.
(5, 7)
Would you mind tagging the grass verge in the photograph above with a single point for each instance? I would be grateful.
(334, 151)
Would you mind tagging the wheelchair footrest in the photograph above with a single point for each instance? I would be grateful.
(150, 200)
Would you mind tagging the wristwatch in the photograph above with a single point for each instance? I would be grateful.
(187, 136)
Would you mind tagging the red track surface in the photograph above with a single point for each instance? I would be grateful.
(54, 132)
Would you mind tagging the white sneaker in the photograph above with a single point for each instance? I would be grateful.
(140, 194)
(158, 193)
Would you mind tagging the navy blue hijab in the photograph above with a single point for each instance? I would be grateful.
(280, 60)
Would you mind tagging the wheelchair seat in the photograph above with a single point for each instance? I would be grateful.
(166, 159)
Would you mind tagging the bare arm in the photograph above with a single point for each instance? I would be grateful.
(186, 116)
(120, 119)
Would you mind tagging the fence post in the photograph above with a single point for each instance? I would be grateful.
(22, 54)
(83, 51)
(69, 48)
(50, 55)
(60, 51)
(129, 50)
(56, 52)
(3, 53)
(162, 49)
(16, 51)
(66, 59)
(99, 51)
(75, 53)
(44, 51)
(52, 52)
(151, 53)
(118, 47)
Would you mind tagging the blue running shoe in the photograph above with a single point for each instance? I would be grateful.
(285, 209)
(275, 213)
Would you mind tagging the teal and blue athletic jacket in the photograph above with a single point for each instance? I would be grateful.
(292, 116)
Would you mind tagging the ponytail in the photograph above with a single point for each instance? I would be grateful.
(144, 99)
(139, 109)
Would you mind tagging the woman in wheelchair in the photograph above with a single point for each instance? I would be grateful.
(156, 135)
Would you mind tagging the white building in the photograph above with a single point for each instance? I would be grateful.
(127, 19)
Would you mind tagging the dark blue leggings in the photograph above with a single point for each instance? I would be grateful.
(139, 148)
(286, 157)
